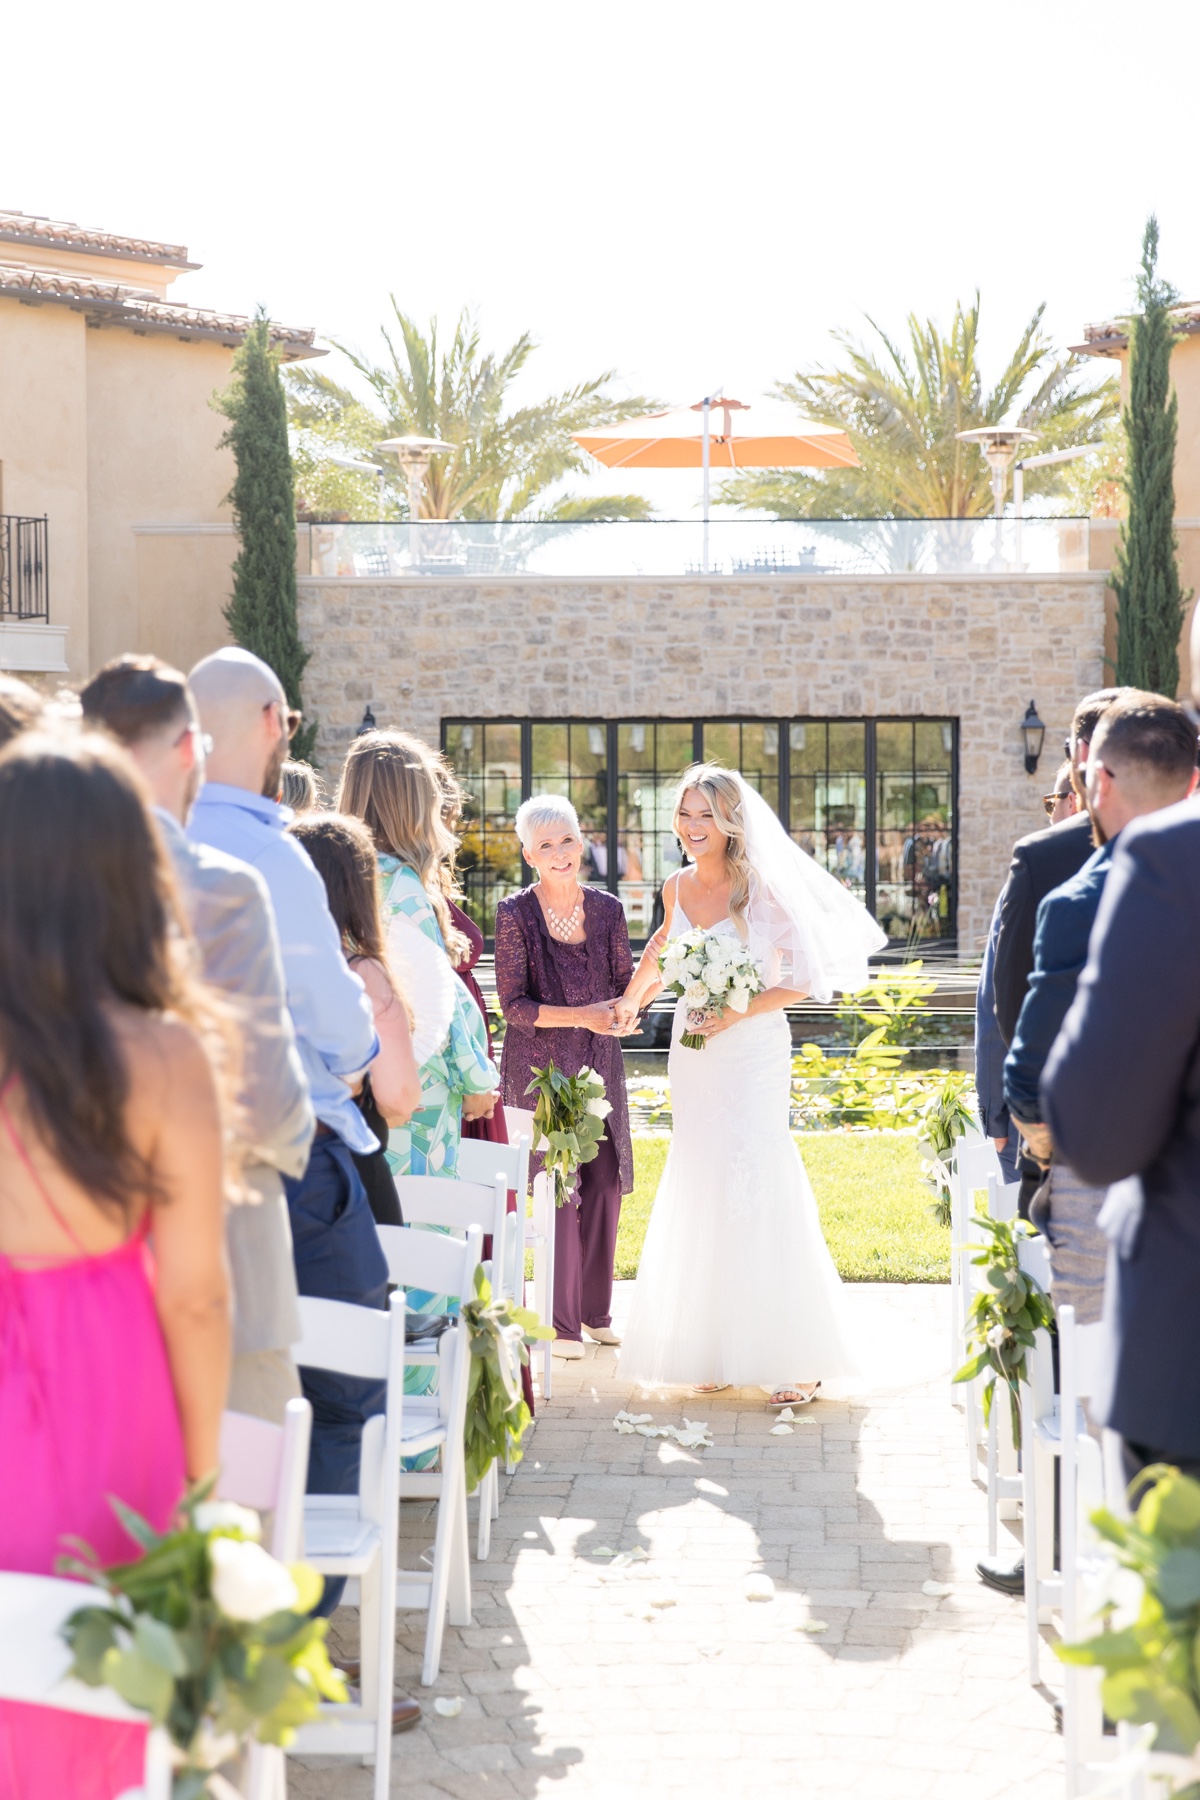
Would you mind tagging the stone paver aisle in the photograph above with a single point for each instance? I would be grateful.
(662, 1679)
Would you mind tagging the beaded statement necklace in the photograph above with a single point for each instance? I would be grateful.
(563, 926)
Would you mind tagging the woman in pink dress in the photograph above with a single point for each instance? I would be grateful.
(114, 1298)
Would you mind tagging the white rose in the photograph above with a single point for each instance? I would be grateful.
(247, 1584)
(695, 996)
(599, 1109)
(738, 999)
(694, 966)
(227, 1515)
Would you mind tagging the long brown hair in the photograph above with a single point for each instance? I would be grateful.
(344, 857)
(723, 795)
(89, 917)
(388, 782)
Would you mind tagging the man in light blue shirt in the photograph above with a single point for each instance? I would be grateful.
(338, 1256)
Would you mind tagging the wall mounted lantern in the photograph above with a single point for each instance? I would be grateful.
(1034, 734)
(368, 721)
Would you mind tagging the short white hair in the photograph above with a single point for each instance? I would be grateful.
(535, 814)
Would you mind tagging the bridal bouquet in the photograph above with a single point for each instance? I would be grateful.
(709, 971)
(568, 1122)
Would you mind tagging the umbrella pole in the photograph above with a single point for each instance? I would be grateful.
(706, 409)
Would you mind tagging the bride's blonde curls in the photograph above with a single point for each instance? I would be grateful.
(724, 796)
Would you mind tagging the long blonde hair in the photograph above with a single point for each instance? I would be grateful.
(721, 791)
(388, 782)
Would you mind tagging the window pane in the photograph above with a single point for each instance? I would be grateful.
(550, 758)
(914, 899)
(723, 744)
(650, 760)
(807, 738)
(848, 745)
(487, 759)
(829, 795)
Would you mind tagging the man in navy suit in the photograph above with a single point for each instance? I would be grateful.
(1121, 1096)
(1143, 758)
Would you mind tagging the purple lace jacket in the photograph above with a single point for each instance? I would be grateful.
(533, 970)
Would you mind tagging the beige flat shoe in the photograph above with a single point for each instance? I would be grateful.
(568, 1348)
(601, 1334)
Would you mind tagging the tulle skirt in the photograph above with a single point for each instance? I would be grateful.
(736, 1282)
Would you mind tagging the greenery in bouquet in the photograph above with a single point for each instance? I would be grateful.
(568, 1121)
(1152, 1666)
(710, 972)
(205, 1633)
(497, 1416)
(1004, 1315)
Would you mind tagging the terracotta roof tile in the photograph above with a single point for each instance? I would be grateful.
(1111, 336)
(25, 228)
(112, 303)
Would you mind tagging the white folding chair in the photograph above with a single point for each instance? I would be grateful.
(456, 1205)
(440, 1265)
(265, 1466)
(537, 1234)
(486, 1163)
(34, 1661)
(356, 1535)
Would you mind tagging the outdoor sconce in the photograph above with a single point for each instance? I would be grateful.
(1034, 734)
(368, 723)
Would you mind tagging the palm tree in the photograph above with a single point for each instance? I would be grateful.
(502, 461)
(902, 409)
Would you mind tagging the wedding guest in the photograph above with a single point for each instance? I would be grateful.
(1062, 802)
(562, 958)
(244, 710)
(989, 1062)
(388, 782)
(300, 787)
(1142, 758)
(146, 705)
(1120, 1097)
(344, 857)
(114, 1292)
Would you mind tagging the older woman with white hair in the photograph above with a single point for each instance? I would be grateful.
(562, 958)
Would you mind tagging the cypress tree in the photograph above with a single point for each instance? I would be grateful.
(1150, 601)
(261, 615)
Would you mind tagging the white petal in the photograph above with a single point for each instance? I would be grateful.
(813, 1625)
(604, 1551)
(781, 1431)
(637, 1554)
(623, 1561)
(758, 1587)
(448, 1707)
(937, 1589)
(661, 1598)
(786, 1414)
(623, 1428)
(710, 1649)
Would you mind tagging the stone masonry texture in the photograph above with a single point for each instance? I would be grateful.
(975, 648)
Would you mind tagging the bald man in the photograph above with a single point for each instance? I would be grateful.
(244, 710)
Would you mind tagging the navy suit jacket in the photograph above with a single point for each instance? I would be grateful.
(1121, 1094)
(1060, 946)
(1040, 862)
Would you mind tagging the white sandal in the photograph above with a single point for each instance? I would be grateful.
(795, 1396)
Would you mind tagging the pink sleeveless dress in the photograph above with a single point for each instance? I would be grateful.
(87, 1409)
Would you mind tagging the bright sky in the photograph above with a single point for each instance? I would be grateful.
(690, 192)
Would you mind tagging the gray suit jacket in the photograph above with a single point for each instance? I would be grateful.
(230, 913)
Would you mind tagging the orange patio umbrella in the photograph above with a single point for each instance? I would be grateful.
(704, 436)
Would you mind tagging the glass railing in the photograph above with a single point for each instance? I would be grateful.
(735, 548)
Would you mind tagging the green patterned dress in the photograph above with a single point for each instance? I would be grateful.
(428, 1144)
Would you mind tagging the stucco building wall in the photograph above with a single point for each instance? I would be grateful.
(976, 649)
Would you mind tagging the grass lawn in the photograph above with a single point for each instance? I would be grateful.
(874, 1210)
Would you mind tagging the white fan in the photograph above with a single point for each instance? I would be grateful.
(430, 984)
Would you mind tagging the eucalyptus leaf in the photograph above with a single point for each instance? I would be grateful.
(157, 1642)
(140, 1682)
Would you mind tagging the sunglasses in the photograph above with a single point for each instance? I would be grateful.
(289, 717)
(1050, 801)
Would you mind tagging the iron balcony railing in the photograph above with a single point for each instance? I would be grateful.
(24, 567)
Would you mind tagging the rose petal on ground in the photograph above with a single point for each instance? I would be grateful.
(758, 1587)
(448, 1707)
(662, 1598)
(625, 1429)
(937, 1589)
(786, 1414)
(781, 1431)
(813, 1625)
(638, 1554)
(604, 1551)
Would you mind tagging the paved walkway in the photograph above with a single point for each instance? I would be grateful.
(661, 1678)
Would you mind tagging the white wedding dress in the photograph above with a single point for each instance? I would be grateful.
(736, 1282)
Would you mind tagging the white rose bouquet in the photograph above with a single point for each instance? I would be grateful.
(568, 1122)
(709, 971)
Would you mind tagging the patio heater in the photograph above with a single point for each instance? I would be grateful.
(999, 445)
(1038, 462)
(413, 454)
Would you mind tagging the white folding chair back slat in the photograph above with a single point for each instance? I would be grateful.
(356, 1534)
(536, 1235)
(265, 1466)
(483, 1162)
(974, 1162)
(34, 1661)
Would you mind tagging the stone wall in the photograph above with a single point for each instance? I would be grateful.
(977, 648)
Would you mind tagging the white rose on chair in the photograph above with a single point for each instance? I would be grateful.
(709, 971)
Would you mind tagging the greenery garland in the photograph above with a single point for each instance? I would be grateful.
(1004, 1316)
(497, 1416)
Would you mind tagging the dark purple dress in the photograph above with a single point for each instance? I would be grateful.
(533, 969)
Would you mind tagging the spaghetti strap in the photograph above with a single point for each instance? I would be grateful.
(15, 1139)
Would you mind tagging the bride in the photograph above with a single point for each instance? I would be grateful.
(736, 1283)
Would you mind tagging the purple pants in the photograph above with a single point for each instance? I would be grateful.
(585, 1243)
